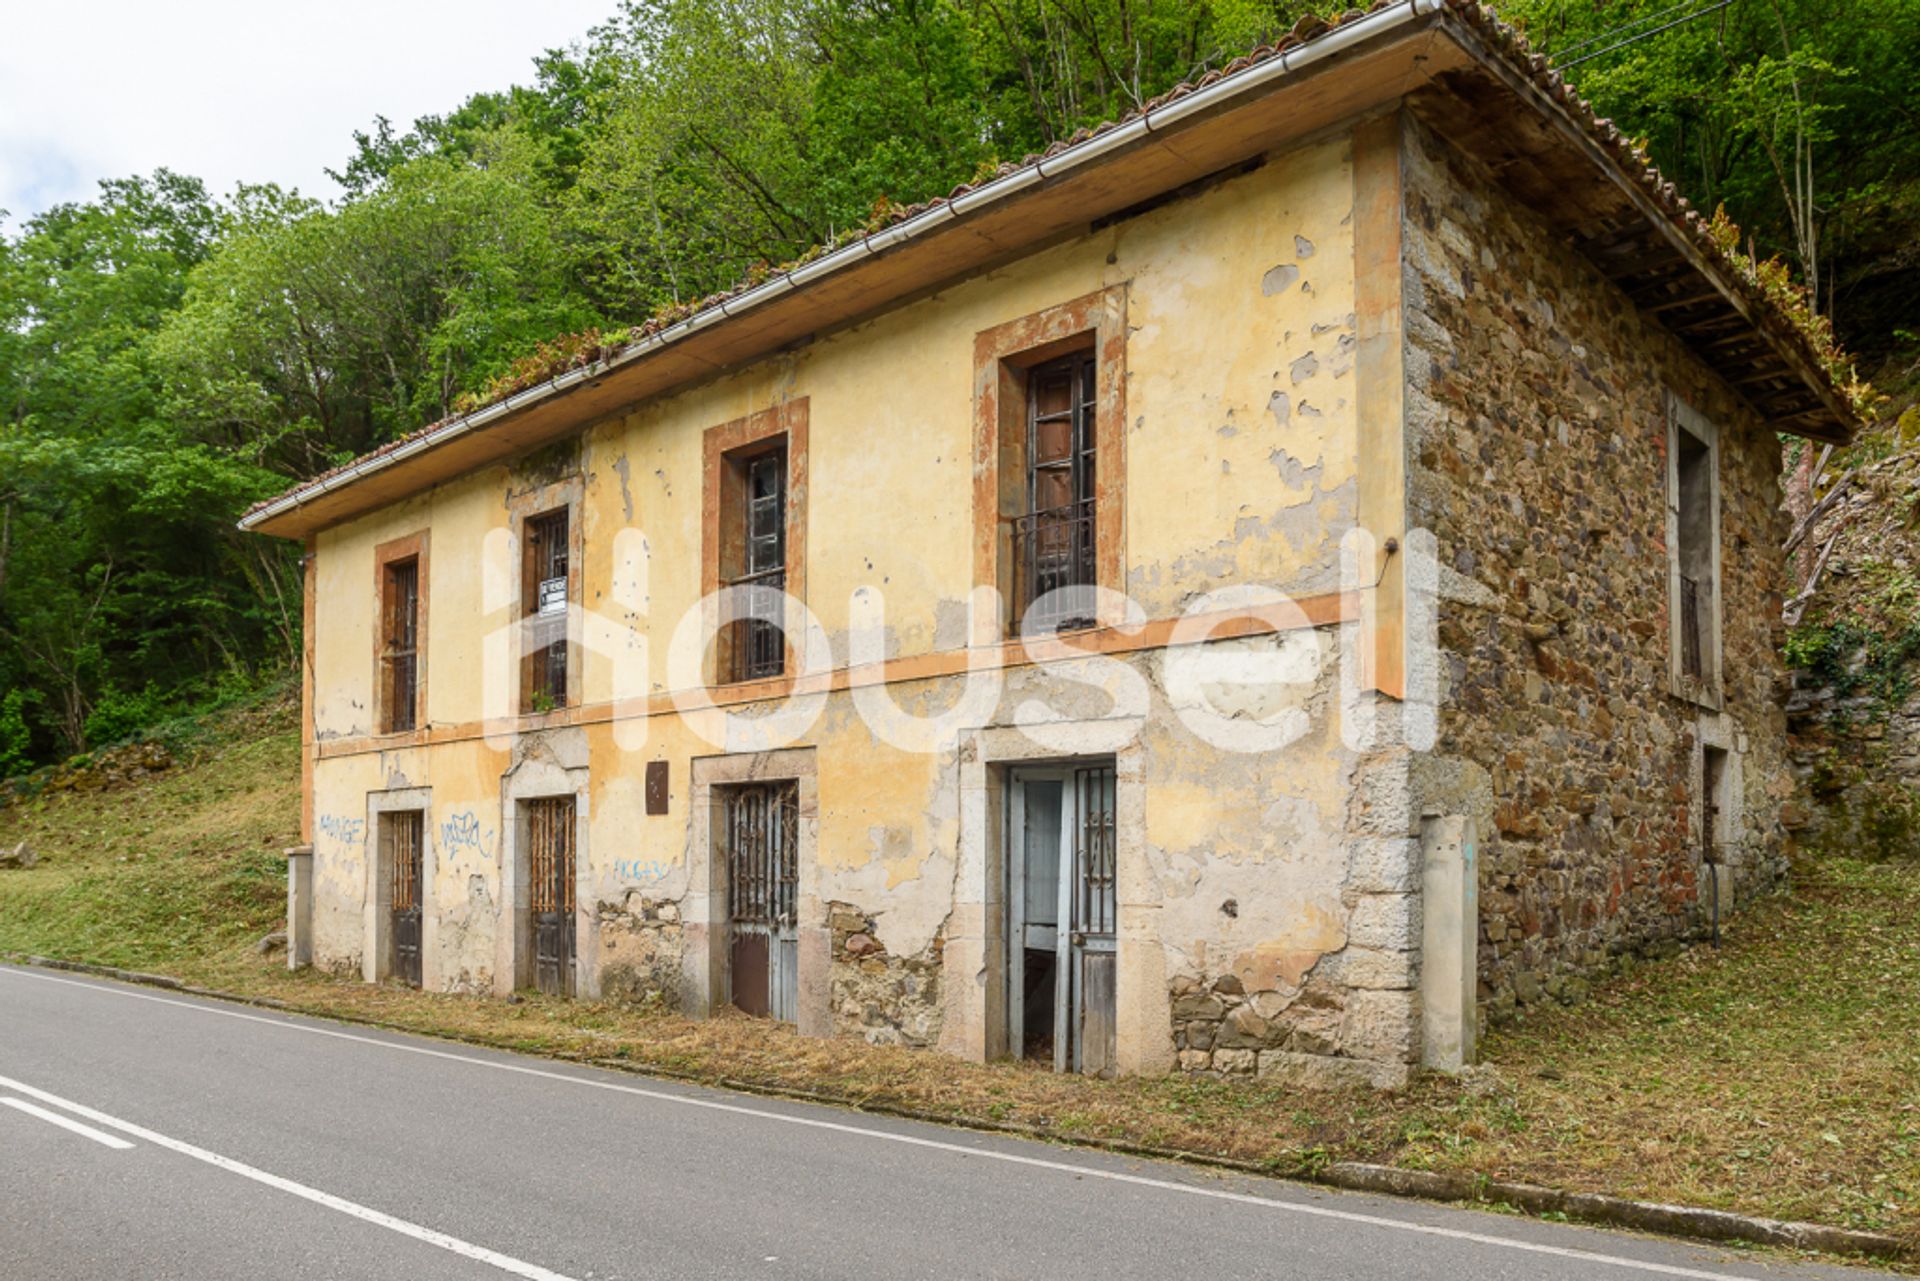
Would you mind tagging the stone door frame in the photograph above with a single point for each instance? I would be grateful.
(974, 962)
(704, 911)
(546, 764)
(376, 957)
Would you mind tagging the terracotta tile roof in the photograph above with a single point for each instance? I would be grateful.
(583, 351)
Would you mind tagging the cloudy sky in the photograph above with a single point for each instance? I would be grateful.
(233, 90)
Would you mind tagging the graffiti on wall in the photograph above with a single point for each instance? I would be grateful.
(462, 831)
(340, 828)
(636, 869)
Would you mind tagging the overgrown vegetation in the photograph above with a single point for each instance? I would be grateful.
(168, 356)
(1855, 657)
(1857, 663)
(173, 869)
(1775, 1076)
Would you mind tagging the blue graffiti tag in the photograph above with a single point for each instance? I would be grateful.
(340, 828)
(634, 869)
(462, 831)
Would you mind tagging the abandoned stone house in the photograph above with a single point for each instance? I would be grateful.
(1261, 588)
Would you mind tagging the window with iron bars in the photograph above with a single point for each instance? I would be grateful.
(756, 643)
(1054, 541)
(545, 593)
(400, 644)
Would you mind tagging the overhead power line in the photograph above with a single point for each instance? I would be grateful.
(1611, 32)
(1636, 39)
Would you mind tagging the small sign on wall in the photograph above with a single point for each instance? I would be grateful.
(553, 596)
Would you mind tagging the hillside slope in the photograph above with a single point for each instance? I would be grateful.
(174, 870)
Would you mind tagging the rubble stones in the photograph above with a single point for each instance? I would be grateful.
(882, 998)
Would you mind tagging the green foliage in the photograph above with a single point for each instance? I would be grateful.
(1794, 114)
(317, 334)
(118, 715)
(1856, 662)
(16, 736)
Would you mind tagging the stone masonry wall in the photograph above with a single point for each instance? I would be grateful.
(884, 999)
(1537, 442)
(640, 949)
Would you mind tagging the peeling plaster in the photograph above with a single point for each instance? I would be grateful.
(1279, 279)
(1295, 474)
(624, 471)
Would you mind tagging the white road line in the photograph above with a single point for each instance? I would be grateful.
(466, 1249)
(67, 1123)
(1011, 1158)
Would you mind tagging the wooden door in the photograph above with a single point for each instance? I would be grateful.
(550, 861)
(762, 852)
(1090, 951)
(406, 871)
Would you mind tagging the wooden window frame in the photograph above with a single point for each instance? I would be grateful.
(1043, 523)
(386, 556)
(726, 452)
(524, 508)
(1002, 357)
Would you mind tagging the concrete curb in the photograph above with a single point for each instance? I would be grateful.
(166, 981)
(1692, 1222)
(1593, 1207)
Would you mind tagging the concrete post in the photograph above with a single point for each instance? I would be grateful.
(299, 907)
(1450, 940)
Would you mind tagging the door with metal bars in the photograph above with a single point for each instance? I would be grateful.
(1062, 907)
(403, 831)
(550, 897)
(761, 826)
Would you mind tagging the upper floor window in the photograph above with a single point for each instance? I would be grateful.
(753, 538)
(399, 634)
(1049, 467)
(1054, 540)
(546, 591)
(756, 646)
(400, 644)
(1693, 549)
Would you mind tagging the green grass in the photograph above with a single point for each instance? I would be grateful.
(1779, 1075)
(167, 871)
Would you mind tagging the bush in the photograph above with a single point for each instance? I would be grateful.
(118, 716)
(16, 736)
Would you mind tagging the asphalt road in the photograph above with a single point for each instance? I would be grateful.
(146, 1135)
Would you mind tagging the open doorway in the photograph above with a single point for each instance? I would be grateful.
(1061, 908)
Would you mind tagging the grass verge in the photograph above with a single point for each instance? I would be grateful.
(1779, 1076)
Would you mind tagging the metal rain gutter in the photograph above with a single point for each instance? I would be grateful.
(1159, 118)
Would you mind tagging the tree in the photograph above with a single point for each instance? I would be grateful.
(1792, 113)
(112, 573)
(316, 334)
